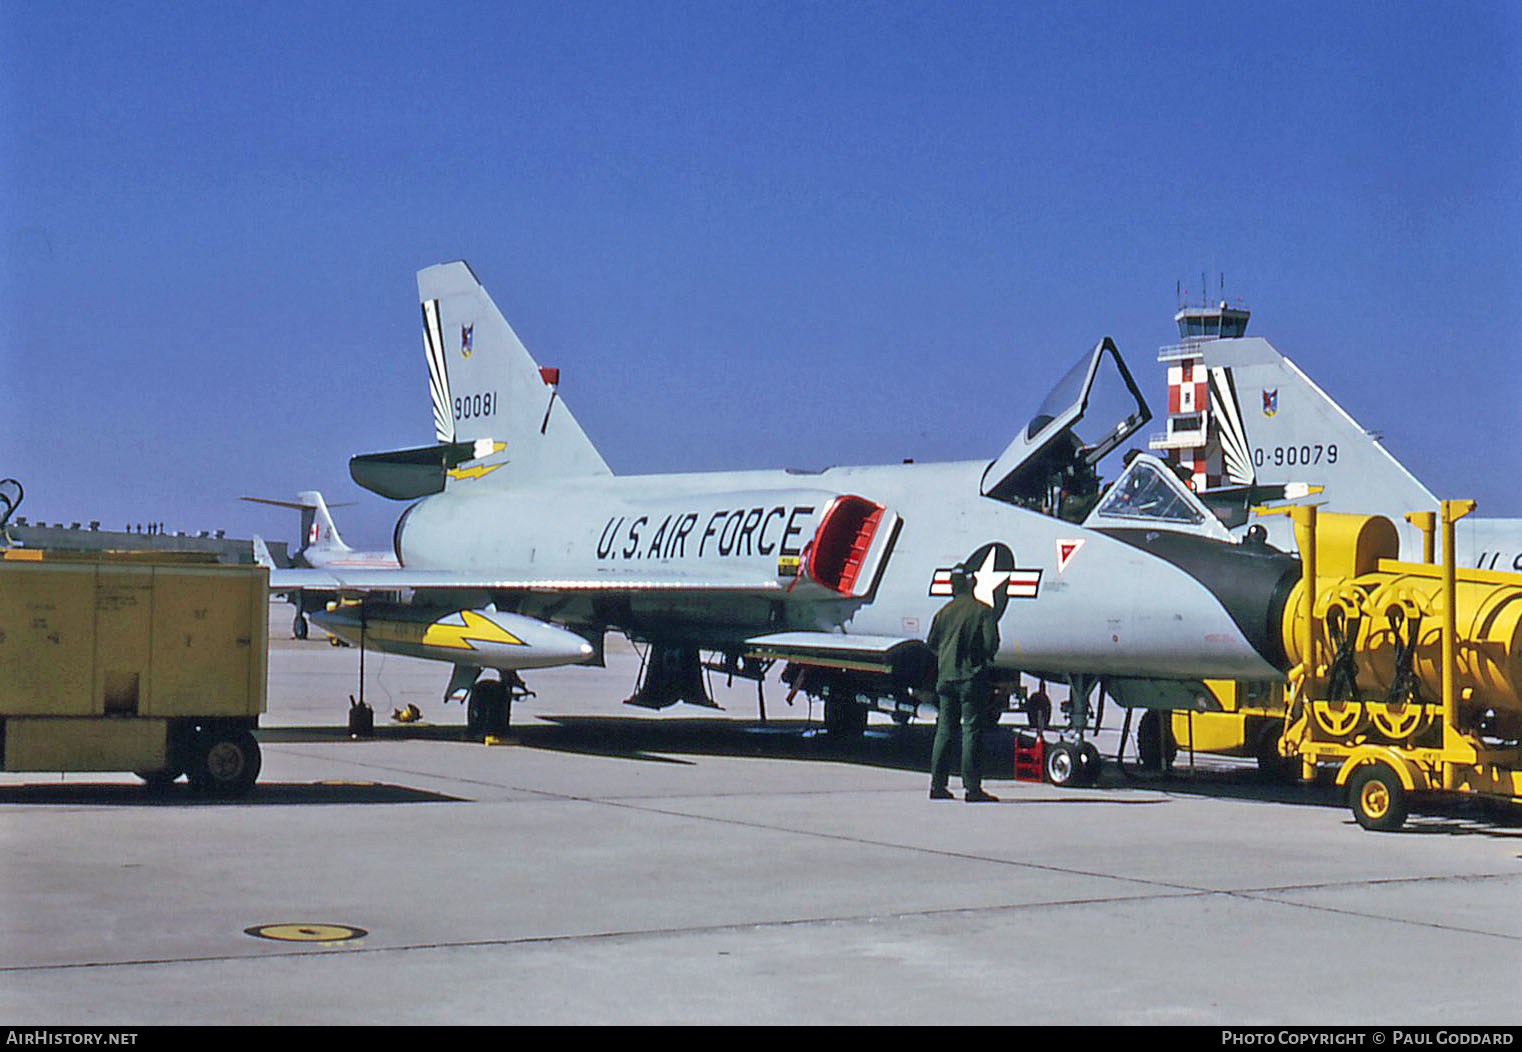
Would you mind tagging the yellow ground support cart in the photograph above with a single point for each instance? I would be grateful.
(1249, 723)
(1407, 676)
(152, 667)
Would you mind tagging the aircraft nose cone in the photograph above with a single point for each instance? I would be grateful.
(1251, 585)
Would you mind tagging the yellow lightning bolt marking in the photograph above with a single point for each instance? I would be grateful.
(476, 627)
(473, 473)
(485, 447)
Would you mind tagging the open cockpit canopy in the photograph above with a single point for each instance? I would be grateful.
(1094, 408)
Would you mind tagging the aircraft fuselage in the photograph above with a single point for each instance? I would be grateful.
(1078, 600)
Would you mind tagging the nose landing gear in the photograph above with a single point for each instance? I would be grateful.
(1072, 763)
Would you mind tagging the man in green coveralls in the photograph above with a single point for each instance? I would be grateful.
(965, 638)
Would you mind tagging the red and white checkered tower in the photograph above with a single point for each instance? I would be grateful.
(1192, 439)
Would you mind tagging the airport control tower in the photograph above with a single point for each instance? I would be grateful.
(1193, 439)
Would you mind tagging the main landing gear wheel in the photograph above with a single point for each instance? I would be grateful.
(1155, 748)
(1378, 799)
(487, 710)
(1073, 764)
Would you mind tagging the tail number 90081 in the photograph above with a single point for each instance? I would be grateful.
(472, 407)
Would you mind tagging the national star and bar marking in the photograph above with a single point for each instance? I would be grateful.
(1019, 582)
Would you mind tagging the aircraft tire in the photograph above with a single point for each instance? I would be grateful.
(299, 626)
(1089, 764)
(1377, 798)
(1063, 765)
(1155, 748)
(1038, 711)
(487, 710)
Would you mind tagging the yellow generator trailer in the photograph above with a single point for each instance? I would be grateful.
(151, 667)
(1406, 677)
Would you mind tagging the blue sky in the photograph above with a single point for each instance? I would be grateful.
(749, 235)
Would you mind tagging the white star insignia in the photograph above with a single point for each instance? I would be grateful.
(987, 581)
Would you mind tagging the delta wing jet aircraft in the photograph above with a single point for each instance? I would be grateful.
(321, 544)
(321, 548)
(1257, 428)
(521, 548)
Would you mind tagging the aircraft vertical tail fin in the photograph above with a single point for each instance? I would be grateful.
(317, 527)
(262, 556)
(487, 390)
(318, 533)
(1278, 427)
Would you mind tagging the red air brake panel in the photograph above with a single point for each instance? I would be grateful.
(849, 544)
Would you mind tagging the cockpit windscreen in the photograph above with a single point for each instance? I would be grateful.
(1148, 492)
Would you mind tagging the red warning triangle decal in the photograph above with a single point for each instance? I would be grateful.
(1066, 549)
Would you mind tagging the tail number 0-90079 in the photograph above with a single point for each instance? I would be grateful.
(1296, 456)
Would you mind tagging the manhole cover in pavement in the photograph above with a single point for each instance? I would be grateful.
(306, 932)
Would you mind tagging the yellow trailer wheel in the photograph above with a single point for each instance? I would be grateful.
(1378, 799)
